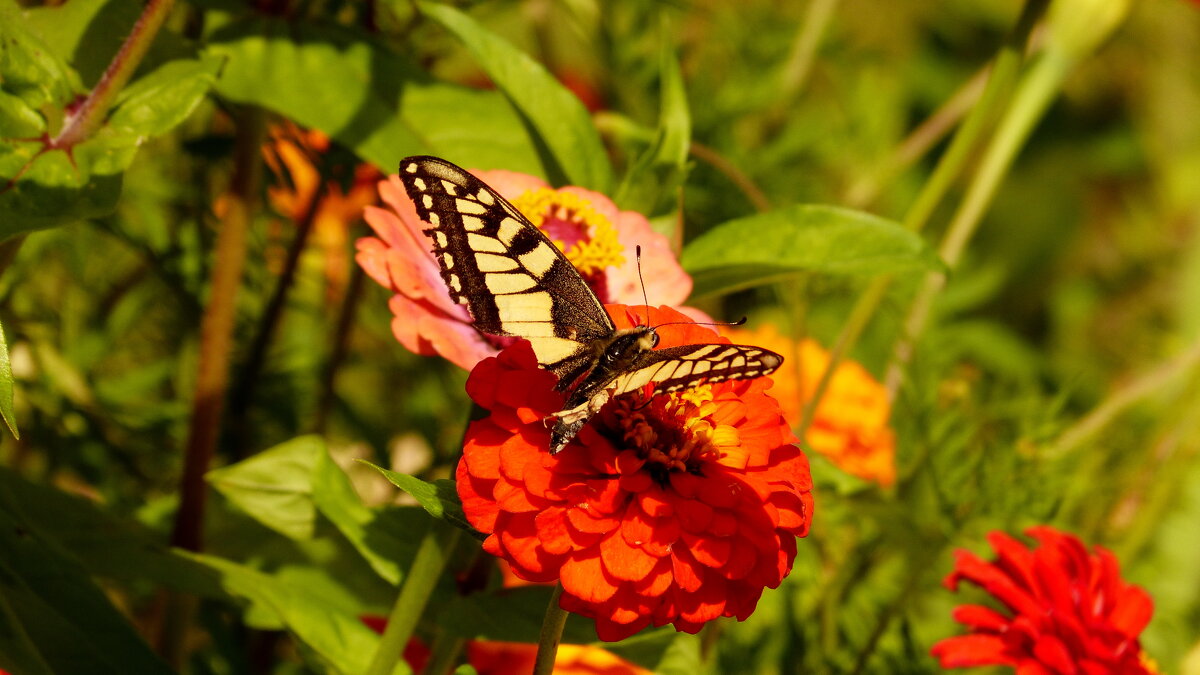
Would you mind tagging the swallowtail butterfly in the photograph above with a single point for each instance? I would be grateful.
(515, 282)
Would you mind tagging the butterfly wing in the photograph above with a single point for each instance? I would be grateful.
(677, 368)
(510, 276)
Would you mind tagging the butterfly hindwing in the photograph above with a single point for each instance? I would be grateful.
(512, 278)
(676, 368)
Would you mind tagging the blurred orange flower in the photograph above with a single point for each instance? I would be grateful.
(293, 155)
(596, 236)
(850, 425)
(516, 658)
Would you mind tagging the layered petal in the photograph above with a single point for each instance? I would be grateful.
(649, 522)
(1068, 610)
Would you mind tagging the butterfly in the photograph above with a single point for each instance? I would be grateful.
(515, 282)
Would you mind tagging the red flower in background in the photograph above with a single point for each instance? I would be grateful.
(1070, 612)
(596, 236)
(678, 510)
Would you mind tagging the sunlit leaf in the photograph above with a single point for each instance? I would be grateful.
(366, 97)
(658, 173)
(275, 486)
(342, 641)
(384, 537)
(562, 123)
(771, 246)
(440, 498)
(6, 387)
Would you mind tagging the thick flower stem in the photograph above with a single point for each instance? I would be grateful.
(432, 555)
(91, 113)
(552, 628)
(994, 100)
(216, 344)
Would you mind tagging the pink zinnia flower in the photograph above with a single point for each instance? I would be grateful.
(596, 236)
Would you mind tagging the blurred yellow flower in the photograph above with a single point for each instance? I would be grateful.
(850, 425)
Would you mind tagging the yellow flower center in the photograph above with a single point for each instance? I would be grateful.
(675, 433)
(594, 245)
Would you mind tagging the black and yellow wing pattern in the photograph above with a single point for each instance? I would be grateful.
(516, 282)
(504, 269)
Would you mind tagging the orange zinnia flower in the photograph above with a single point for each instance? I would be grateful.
(676, 510)
(292, 156)
(850, 424)
(1070, 610)
(596, 236)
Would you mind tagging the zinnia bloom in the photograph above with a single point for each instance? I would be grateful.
(675, 510)
(850, 424)
(597, 238)
(1069, 610)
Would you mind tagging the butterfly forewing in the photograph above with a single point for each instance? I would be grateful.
(677, 368)
(510, 275)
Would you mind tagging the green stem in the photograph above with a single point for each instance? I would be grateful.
(432, 555)
(804, 48)
(90, 115)
(552, 628)
(1038, 89)
(994, 98)
(1147, 385)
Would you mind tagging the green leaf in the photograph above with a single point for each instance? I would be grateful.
(771, 246)
(366, 97)
(6, 387)
(275, 487)
(29, 68)
(85, 33)
(509, 615)
(439, 498)
(18, 653)
(342, 641)
(65, 618)
(160, 101)
(682, 657)
(384, 537)
(659, 172)
(560, 119)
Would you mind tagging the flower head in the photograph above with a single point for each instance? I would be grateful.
(596, 236)
(1069, 610)
(675, 510)
(850, 424)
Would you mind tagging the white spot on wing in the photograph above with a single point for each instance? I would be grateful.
(484, 244)
(509, 229)
(472, 223)
(490, 262)
(468, 206)
(485, 197)
(539, 260)
(501, 284)
(524, 307)
(451, 188)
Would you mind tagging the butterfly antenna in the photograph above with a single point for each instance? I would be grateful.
(739, 322)
(637, 251)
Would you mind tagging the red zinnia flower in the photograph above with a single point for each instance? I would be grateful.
(1071, 612)
(596, 236)
(677, 510)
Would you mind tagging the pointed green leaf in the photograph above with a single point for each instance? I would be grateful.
(658, 173)
(386, 538)
(560, 119)
(6, 387)
(439, 498)
(160, 101)
(811, 238)
(366, 97)
(64, 616)
(275, 487)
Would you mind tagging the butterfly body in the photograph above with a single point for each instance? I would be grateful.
(515, 282)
